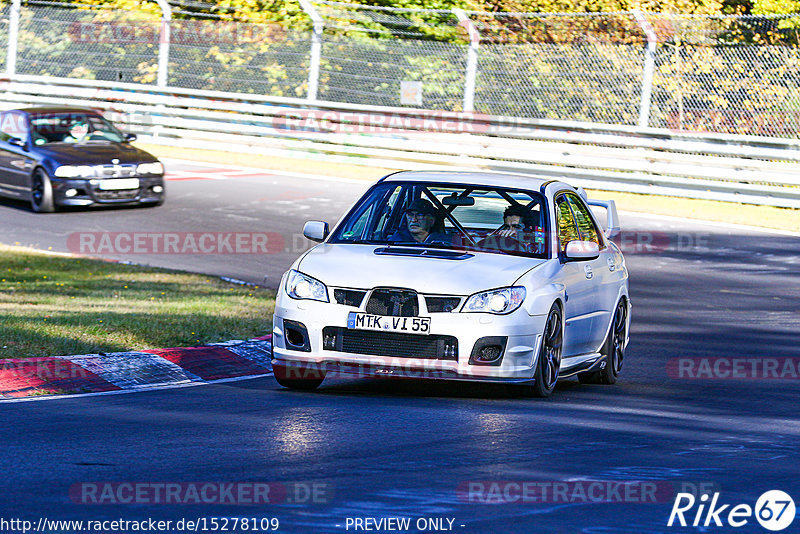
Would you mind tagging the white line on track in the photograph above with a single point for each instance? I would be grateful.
(134, 390)
(729, 226)
(268, 172)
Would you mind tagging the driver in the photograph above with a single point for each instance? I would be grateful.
(77, 132)
(423, 224)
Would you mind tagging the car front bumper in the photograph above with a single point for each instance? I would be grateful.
(89, 192)
(369, 353)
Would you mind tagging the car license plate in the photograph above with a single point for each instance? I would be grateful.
(408, 325)
(121, 183)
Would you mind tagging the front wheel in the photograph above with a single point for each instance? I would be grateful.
(41, 192)
(613, 350)
(549, 364)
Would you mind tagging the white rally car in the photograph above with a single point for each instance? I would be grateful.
(461, 276)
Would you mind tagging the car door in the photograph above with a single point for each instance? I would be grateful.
(15, 162)
(605, 279)
(581, 307)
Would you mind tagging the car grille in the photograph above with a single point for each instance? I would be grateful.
(442, 304)
(393, 302)
(349, 297)
(390, 344)
(123, 194)
(115, 171)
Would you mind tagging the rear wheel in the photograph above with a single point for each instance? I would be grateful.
(41, 192)
(547, 368)
(613, 350)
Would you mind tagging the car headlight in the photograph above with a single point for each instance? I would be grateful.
(75, 171)
(499, 301)
(300, 286)
(150, 168)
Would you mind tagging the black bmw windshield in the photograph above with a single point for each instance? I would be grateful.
(448, 216)
(72, 127)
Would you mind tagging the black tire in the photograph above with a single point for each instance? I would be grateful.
(547, 367)
(41, 192)
(613, 349)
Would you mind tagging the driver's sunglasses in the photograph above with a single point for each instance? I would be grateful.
(418, 215)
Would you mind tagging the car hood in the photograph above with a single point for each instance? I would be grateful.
(95, 153)
(357, 266)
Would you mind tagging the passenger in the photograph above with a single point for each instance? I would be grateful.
(516, 233)
(513, 222)
(423, 224)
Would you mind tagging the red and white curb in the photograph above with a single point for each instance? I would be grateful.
(120, 371)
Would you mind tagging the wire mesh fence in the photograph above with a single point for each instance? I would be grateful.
(710, 73)
(4, 27)
(90, 42)
(583, 82)
(238, 57)
(369, 51)
(370, 71)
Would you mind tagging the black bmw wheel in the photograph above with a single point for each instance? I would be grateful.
(549, 363)
(613, 350)
(41, 192)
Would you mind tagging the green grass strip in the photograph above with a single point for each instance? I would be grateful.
(54, 305)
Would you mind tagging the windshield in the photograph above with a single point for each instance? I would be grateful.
(460, 217)
(72, 127)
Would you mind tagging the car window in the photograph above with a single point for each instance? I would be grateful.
(370, 217)
(457, 216)
(13, 124)
(487, 212)
(567, 230)
(72, 127)
(584, 220)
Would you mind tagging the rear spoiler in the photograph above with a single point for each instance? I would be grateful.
(612, 222)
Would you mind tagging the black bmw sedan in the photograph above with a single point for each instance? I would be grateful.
(65, 156)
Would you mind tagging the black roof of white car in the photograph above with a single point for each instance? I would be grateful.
(493, 179)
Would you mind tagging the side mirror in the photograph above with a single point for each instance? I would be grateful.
(130, 137)
(16, 141)
(316, 230)
(582, 250)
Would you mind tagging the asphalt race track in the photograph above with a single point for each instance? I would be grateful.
(420, 450)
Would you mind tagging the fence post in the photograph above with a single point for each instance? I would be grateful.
(472, 59)
(649, 68)
(13, 37)
(316, 48)
(163, 45)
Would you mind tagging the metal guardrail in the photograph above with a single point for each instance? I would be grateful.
(746, 169)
